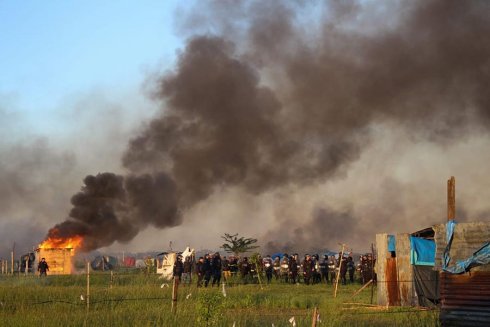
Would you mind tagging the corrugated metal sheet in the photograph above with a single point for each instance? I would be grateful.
(468, 238)
(465, 299)
(392, 282)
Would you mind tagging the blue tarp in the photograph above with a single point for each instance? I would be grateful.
(391, 243)
(422, 251)
(479, 258)
(277, 255)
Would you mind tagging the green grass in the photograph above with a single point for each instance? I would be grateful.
(139, 300)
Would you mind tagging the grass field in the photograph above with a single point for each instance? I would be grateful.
(141, 300)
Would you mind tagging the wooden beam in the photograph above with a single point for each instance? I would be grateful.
(451, 198)
(404, 269)
(338, 272)
(381, 256)
(363, 287)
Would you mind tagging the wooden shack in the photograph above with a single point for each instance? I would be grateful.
(464, 297)
(59, 260)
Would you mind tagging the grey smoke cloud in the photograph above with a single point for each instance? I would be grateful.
(268, 98)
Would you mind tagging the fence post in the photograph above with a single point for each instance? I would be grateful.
(315, 317)
(88, 286)
(175, 290)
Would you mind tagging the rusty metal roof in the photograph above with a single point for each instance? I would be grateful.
(465, 299)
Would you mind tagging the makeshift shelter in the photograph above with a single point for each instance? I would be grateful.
(27, 263)
(104, 263)
(58, 259)
(463, 260)
(166, 260)
(446, 264)
(129, 262)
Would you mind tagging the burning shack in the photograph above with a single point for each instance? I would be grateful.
(59, 254)
(58, 259)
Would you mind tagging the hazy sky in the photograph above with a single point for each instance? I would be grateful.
(51, 50)
(302, 124)
(72, 74)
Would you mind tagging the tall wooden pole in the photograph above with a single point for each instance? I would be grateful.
(12, 260)
(338, 272)
(451, 198)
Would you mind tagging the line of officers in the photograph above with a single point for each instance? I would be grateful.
(311, 269)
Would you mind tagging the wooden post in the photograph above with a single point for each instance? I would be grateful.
(451, 198)
(88, 286)
(12, 260)
(372, 272)
(381, 259)
(363, 287)
(338, 272)
(112, 278)
(175, 289)
(256, 262)
(27, 266)
(314, 319)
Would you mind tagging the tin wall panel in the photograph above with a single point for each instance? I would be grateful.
(465, 299)
(468, 238)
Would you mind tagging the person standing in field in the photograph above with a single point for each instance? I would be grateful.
(351, 268)
(317, 276)
(277, 267)
(207, 269)
(226, 268)
(216, 269)
(268, 268)
(233, 265)
(324, 269)
(200, 271)
(285, 268)
(178, 269)
(293, 269)
(244, 267)
(187, 272)
(332, 268)
(308, 269)
(43, 267)
(342, 263)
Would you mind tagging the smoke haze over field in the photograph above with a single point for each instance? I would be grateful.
(325, 121)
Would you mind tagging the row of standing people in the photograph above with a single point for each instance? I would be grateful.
(288, 269)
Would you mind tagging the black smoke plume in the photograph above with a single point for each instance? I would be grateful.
(269, 97)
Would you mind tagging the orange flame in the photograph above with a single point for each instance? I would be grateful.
(62, 243)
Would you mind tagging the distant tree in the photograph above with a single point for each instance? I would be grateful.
(238, 245)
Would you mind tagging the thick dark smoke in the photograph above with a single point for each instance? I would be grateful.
(112, 208)
(272, 96)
